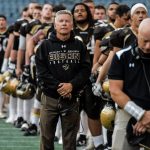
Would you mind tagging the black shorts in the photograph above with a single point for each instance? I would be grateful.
(16, 43)
(91, 104)
(1, 59)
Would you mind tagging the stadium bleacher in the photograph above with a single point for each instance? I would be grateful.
(12, 8)
(10, 137)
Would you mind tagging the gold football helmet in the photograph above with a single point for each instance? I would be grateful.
(13, 83)
(105, 86)
(1, 78)
(4, 82)
(107, 116)
(6, 74)
(25, 91)
(5, 85)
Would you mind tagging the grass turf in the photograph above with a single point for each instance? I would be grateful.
(12, 138)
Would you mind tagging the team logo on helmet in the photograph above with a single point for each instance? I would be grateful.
(25, 90)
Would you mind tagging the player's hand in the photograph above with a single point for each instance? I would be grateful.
(97, 89)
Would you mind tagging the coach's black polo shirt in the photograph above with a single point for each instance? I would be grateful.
(129, 69)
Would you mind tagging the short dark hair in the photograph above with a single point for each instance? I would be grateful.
(50, 4)
(100, 7)
(25, 9)
(3, 16)
(112, 3)
(58, 7)
(38, 7)
(122, 9)
(87, 1)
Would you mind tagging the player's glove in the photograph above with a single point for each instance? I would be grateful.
(97, 89)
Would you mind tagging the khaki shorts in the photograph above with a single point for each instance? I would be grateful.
(119, 141)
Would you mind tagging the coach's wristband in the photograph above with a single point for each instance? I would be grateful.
(134, 110)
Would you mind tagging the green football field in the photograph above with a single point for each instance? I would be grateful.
(12, 138)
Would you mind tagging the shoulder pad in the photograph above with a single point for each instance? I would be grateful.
(32, 25)
(79, 38)
(100, 32)
(24, 24)
(34, 29)
(18, 24)
(32, 21)
(11, 28)
(118, 37)
(20, 19)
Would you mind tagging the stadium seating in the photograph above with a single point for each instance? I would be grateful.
(12, 8)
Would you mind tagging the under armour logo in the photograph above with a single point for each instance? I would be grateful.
(131, 65)
(63, 46)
